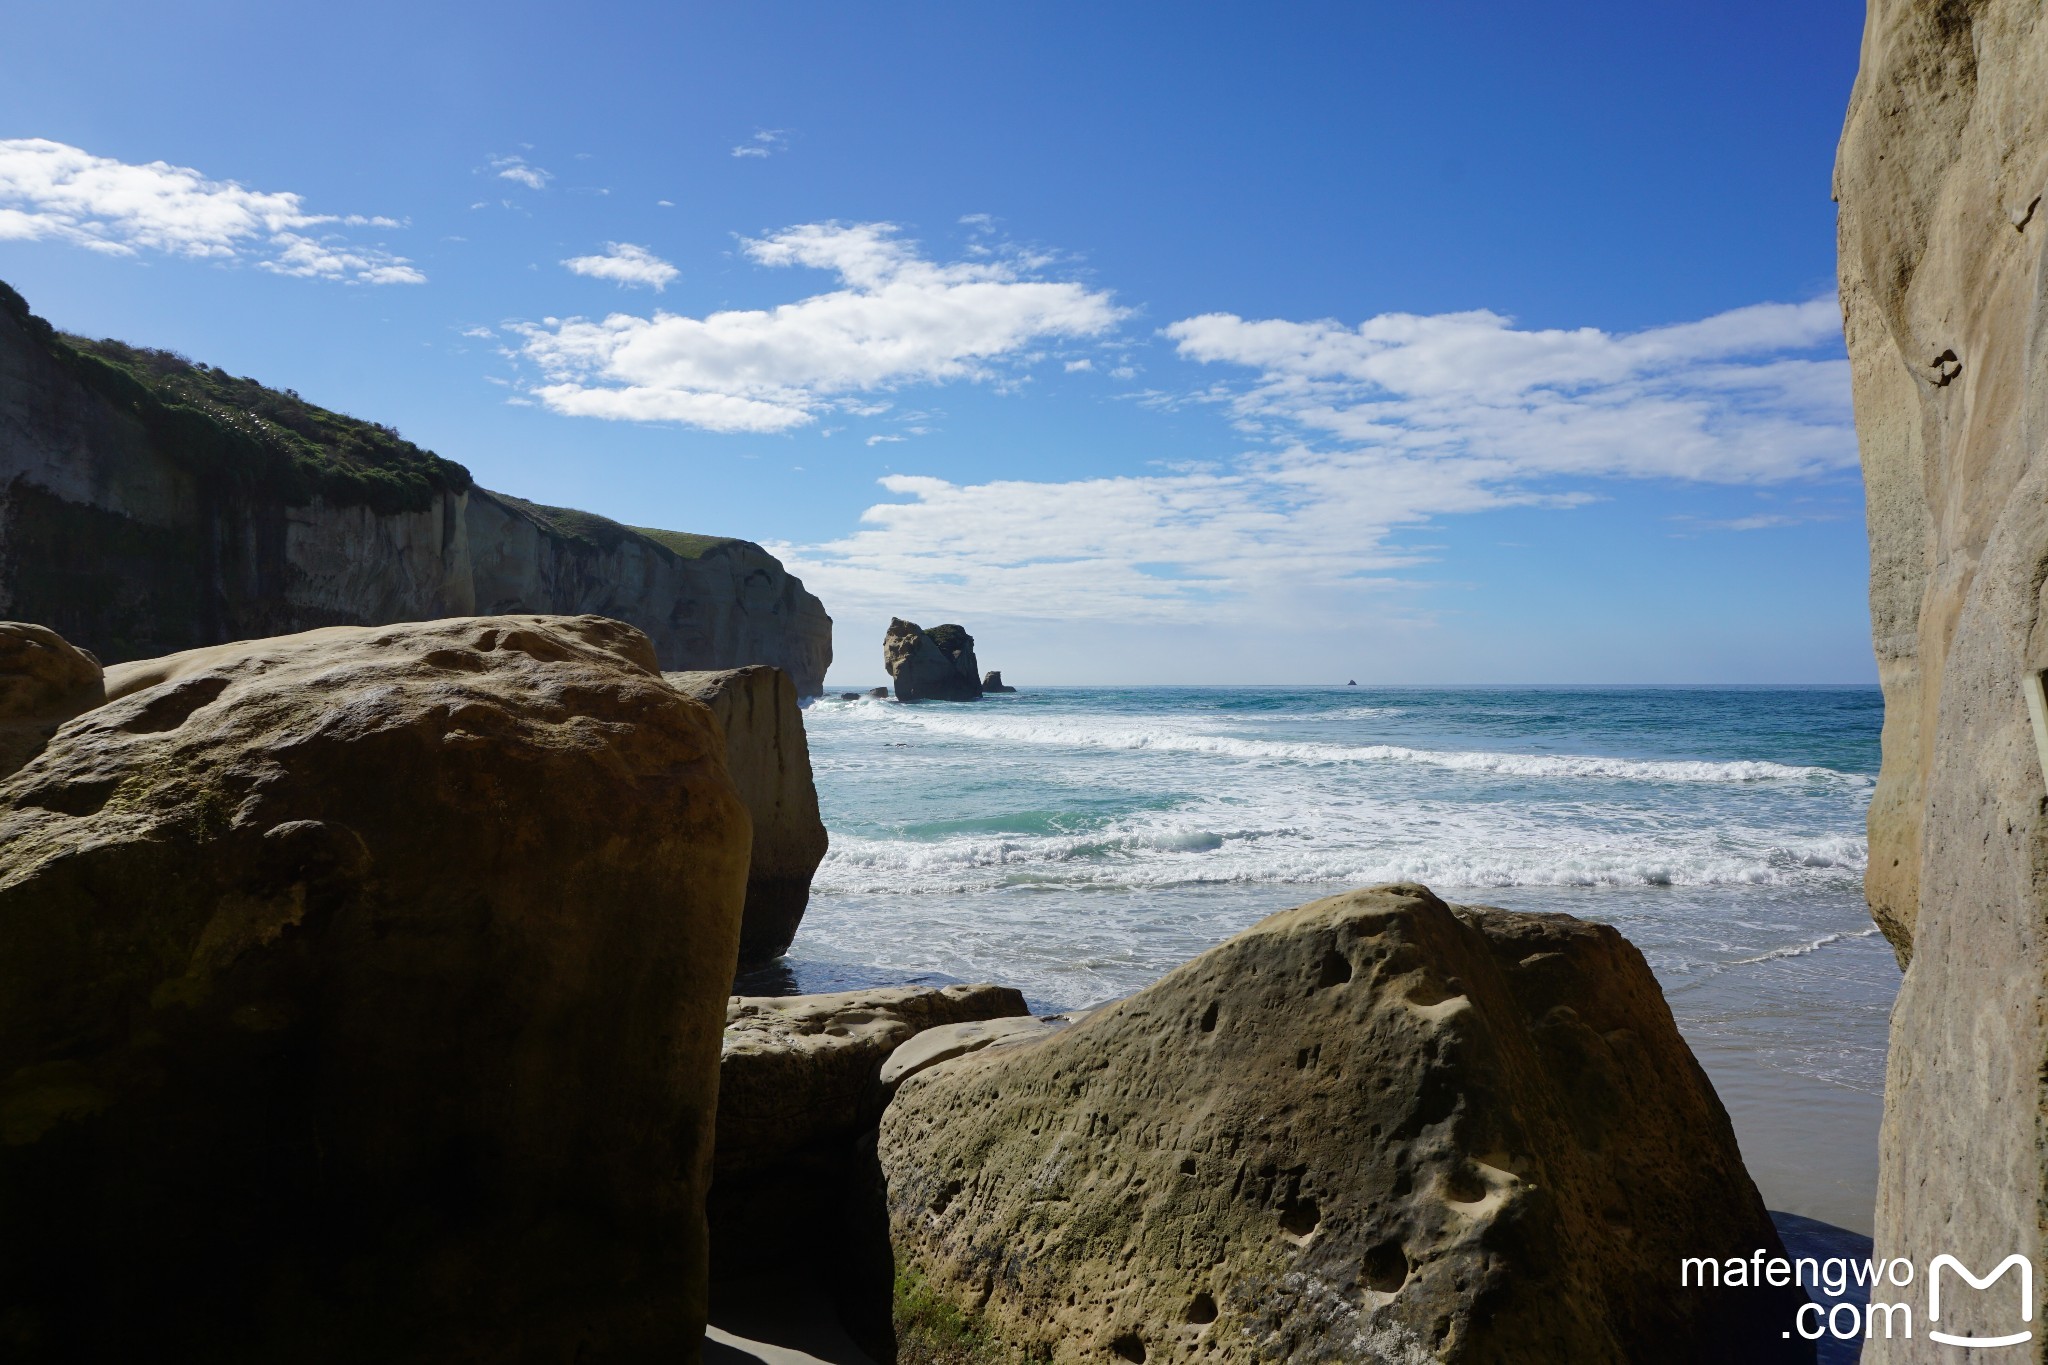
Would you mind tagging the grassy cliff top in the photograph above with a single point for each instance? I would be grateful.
(265, 442)
(242, 436)
(606, 534)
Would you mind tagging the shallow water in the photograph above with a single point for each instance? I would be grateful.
(1078, 843)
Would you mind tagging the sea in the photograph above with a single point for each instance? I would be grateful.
(1079, 842)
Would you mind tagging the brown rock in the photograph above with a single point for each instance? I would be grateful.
(934, 665)
(1374, 1128)
(770, 763)
(1940, 176)
(360, 994)
(44, 681)
(797, 1090)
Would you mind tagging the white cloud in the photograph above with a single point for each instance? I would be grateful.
(897, 318)
(626, 264)
(1083, 364)
(1720, 400)
(516, 169)
(52, 191)
(1370, 431)
(764, 142)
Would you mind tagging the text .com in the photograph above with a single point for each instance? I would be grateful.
(1890, 1311)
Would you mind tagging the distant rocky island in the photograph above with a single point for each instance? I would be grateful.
(150, 504)
(936, 664)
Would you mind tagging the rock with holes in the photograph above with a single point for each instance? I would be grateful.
(360, 999)
(1373, 1128)
(770, 763)
(44, 681)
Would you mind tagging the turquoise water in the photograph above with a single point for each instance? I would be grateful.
(1079, 842)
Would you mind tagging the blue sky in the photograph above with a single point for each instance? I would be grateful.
(1156, 343)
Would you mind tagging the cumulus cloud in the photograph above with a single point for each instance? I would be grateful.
(53, 191)
(1364, 433)
(624, 263)
(1726, 399)
(896, 318)
(516, 169)
(765, 142)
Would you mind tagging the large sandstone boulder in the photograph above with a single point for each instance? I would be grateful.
(1940, 175)
(798, 1084)
(360, 999)
(931, 665)
(44, 681)
(1374, 1128)
(770, 763)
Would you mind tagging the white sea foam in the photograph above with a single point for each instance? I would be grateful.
(1803, 949)
(1182, 737)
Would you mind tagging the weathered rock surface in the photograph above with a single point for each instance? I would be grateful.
(770, 763)
(931, 665)
(126, 549)
(1373, 1128)
(797, 1087)
(993, 682)
(1940, 175)
(360, 999)
(44, 681)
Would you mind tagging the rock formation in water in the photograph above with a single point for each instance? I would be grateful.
(360, 999)
(994, 683)
(1372, 1128)
(149, 505)
(770, 763)
(931, 665)
(1940, 175)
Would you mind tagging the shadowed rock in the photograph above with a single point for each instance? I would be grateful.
(934, 665)
(770, 763)
(1374, 1128)
(360, 999)
(44, 681)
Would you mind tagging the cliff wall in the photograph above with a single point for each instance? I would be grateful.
(1940, 174)
(128, 538)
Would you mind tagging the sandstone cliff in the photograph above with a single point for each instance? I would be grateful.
(137, 520)
(770, 763)
(1940, 177)
(360, 999)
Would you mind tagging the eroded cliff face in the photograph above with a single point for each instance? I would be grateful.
(1940, 175)
(132, 554)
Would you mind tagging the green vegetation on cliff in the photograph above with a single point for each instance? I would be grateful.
(246, 438)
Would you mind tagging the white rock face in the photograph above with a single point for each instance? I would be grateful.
(124, 552)
(1940, 176)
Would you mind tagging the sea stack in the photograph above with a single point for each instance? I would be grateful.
(1940, 177)
(994, 683)
(931, 665)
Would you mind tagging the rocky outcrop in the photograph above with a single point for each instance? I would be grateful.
(360, 999)
(1940, 175)
(44, 681)
(798, 1093)
(134, 538)
(770, 764)
(1372, 1128)
(993, 682)
(931, 665)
